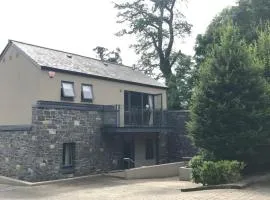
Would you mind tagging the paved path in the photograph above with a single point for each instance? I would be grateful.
(104, 188)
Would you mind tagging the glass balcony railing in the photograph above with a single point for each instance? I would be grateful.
(136, 117)
(142, 117)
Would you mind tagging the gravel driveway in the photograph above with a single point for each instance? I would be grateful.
(102, 188)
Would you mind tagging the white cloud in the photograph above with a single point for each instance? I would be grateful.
(78, 26)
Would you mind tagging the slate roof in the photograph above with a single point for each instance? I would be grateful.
(70, 62)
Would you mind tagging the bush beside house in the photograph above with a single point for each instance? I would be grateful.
(215, 172)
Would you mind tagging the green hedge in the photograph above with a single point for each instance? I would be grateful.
(214, 173)
(196, 163)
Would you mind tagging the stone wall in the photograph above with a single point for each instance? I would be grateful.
(36, 154)
(174, 143)
(179, 145)
(16, 151)
(163, 148)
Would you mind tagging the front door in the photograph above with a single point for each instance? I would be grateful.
(128, 150)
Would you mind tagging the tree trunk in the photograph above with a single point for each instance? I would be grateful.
(165, 68)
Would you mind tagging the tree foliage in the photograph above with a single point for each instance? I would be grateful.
(181, 83)
(262, 49)
(156, 24)
(230, 112)
(109, 56)
(248, 15)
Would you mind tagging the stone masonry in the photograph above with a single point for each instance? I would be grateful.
(179, 144)
(35, 152)
(16, 151)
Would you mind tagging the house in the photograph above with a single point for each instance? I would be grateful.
(65, 115)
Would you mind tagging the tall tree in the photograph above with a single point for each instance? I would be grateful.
(181, 83)
(156, 24)
(204, 42)
(247, 16)
(230, 113)
(109, 56)
(262, 49)
(114, 56)
(101, 52)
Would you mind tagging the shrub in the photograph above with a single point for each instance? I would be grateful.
(206, 155)
(210, 173)
(213, 173)
(196, 163)
(231, 170)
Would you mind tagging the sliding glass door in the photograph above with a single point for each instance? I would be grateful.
(139, 108)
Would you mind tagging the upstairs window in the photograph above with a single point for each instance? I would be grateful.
(67, 90)
(87, 93)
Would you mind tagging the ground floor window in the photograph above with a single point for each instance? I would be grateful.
(149, 149)
(68, 155)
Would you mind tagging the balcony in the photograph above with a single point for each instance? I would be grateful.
(138, 117)
(135, 119)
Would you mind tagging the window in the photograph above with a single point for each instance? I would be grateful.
(87, 93)
(149, 149)
(67, 90)
(68, 155)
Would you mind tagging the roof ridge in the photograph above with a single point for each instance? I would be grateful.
(75, 54)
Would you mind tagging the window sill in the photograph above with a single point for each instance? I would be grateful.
(67, 169)
(67, 98)
(86, 101)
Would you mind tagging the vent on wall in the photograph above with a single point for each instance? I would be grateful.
(69, 56)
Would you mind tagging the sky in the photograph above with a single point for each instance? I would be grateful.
(78, 26)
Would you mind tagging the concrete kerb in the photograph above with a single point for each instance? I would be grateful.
(240, 185)
(148, 172)
(16, 182)
(212, 187)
